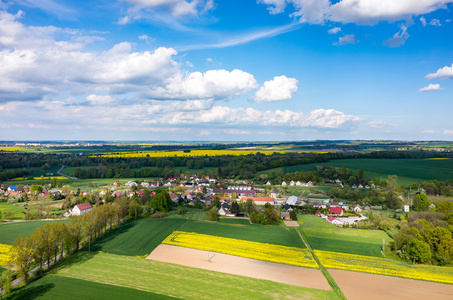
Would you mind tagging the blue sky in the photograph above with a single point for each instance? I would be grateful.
(237, 70)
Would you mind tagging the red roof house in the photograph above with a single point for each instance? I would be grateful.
(336, 211)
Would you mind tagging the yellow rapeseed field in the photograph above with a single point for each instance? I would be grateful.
(384, 266)
(15, 149)
(37, 178)
(260, 251)
(191, 153)
(5, 254)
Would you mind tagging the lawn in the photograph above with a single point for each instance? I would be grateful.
(322, 235)
(60, 287)
(408, 170)
(277, 235)
(137, 237)
(177, 281)
(15, 210)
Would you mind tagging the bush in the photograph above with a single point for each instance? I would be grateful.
(182, 210)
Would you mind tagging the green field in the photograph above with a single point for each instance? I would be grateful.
(408, 170)
(59, 287)
(234, 221)
(175, 280)
(137, 237)
(10, 231)
(277, 235)
(322, 235)
(17, 210)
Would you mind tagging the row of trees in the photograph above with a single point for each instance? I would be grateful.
(52, 240)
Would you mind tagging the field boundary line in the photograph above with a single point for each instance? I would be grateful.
(324, 271)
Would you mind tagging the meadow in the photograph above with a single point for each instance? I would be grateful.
(137, 237)
(254, 250)
(10, 231)
(321, 235)
(278, 235)
(408, 170)
(176, 280)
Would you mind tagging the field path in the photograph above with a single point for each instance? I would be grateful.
(305, 277)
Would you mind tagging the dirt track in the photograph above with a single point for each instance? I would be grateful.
(310, 278)
(357, 285)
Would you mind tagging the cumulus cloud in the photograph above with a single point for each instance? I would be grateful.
(347, 39)
(445, 72)
(398, 39)
(334, 30)
(448, 132)
(279, 89)
(35, 65)
(423, 20)
(355, 11)
(431, 87)
(100, 100)
(435, 22)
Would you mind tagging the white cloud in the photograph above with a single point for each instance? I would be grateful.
(431, 87)
(100, 100)
(379, 124)
(423, 20)
(435, 22)
(445, 72)
(398, 39)
(334, 30)
(428, 131)
(448, 132)
(355, 11)
(145, 37)
(209, 59)
(347, 39)
(279, 89)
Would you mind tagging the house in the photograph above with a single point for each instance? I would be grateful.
(226, 206)
(285, 216)
(334, 221)
(283, 183)
(357, 209)
(259, 200)
(239, 191)
(268, 183)
(291, 183)
(287, 207)
(334, 204)
(336, 211)
(12, 188)
(367, 207)
(80, 209)
(174, 197)
(309, 183)
(221, 211)
(292, 200)
(298, 183)
(275, 193)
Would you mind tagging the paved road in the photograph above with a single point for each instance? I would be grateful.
(59, 173)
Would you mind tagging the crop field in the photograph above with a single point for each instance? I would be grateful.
(408, 170)
(260, 251)
(277, 235)
(60, 287)
(189, 153)
(176, 280)
(10, 231)
(384, 266)
(5, 254)
(13, 211)
(322, 235)
(233, 221)
(137, 237)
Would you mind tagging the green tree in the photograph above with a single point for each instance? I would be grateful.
(161, 201)
(250, 206)
(216, 202)
(6, 282)
(418, 250)
(212, 214)
(234, 207)
(36, 189)
(22, 255)
(421, 202)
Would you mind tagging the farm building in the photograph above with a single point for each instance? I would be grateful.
(292, 200)
(285, 216)
(336, 211)
(259, 200)
(275, 193)
(357, 208)
(239, 191)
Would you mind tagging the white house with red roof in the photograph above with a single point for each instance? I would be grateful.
(79, 209)
(334, 221)
(336, 211)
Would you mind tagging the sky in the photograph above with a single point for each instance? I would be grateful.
(226, 70)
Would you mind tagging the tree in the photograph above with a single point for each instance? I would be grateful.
(35, 189)
(161, 201)
(216, 202)
(421, 202)
(253, 217)
(234, 207)
(418, 250)
(250, 206)
(271, 215)
(6, 282)
(75, 229)
(212, 214)
(293, 215)
(22, 255)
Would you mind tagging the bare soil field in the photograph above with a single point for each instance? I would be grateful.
(355, 285)
(310, 278)
(291, 223)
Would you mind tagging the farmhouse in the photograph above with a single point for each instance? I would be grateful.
(336, 211)
(238, 190)
(275, 193)
(259, 200)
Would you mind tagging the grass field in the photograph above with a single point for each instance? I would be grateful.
(60, 287)
(10, 231)
(233, 221)
(322, 235)
(408, 170)
(177, 281)
(137, 237)
(16, 210)
(277, 235)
